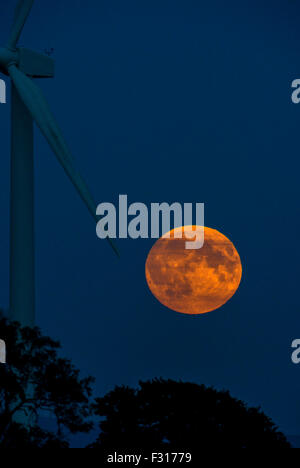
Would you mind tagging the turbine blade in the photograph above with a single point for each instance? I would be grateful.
(21, 14)
(39, 109)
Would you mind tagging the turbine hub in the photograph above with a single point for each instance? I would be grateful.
(7, 57)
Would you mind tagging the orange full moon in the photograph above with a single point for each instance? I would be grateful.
(194, 281)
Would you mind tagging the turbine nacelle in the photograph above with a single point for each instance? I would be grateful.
(7, 57)
(31, 63)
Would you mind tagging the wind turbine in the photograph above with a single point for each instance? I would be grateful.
(29, 105)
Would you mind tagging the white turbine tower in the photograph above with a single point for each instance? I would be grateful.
(29, 105)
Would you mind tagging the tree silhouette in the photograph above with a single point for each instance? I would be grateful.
(168, 415)
(159, 415)
(34, 380)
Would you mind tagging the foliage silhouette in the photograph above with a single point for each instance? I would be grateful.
(168, 415)
(160, 414)
(35, 379)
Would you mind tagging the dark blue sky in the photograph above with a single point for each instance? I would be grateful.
(170, 101)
